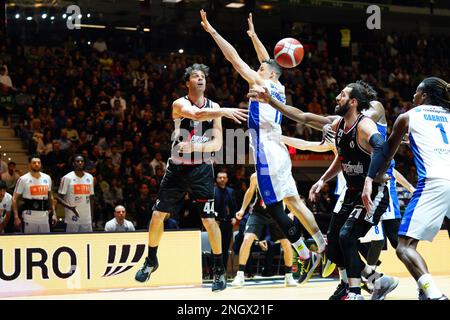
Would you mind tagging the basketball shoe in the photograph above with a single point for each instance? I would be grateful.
(146, 270)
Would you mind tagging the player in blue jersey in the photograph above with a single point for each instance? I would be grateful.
(427, 125)
(272, 161)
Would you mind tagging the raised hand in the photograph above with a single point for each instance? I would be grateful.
(205, 23)
(251, 29)
(328, 134)
(259, 95)
(315, 190)
(236, 114)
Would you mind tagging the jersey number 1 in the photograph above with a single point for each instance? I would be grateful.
(443, 133)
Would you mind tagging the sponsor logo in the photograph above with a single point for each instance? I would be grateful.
(39, 190)
(115, 268)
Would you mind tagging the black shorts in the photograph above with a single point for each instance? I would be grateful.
(178, 179)
(258, 222)
(353, 207)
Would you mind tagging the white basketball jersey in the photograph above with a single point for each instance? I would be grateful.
(429, 135)
(263, 116)
(31, 188)
(5, 206)
(76, 192)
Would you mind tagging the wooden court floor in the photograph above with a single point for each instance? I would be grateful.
(272, 289)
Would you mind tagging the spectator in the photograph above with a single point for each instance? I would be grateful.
(144, 205)
(118, 97)
(10, 177)
(119, 223)
(5, 206)
(100, 45)
(157, 162)
(225, 207)
(3, 166)
(5, 80)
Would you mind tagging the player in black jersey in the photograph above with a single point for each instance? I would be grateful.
(358, 143)
(359, 91)
(197, 135)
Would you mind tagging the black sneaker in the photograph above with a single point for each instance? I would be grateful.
(307, 267)
(219, 280)
(341, 291)
(146, 270)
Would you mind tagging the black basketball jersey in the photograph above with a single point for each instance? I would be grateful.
(355, 161)
(193, 131)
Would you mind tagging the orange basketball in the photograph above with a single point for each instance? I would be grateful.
(288, 52)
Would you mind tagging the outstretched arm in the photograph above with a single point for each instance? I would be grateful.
(230, 53)
(261, 51)
(315, 146)
(289, 111)
(183, 109)
(403, 181)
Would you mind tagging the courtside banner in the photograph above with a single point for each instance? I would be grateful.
(96, 260)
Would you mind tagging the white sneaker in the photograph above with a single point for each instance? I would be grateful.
(239, 280)
(289, 280)
(354, 296)
(383, 286)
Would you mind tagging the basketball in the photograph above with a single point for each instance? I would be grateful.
(288, 52)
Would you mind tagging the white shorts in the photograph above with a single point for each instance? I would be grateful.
(393, 211)
(340, 201)
(73, 228)
(374, 234)
(428, 206)
(30, 227)
(274, 171)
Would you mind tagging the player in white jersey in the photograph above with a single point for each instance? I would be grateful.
(273, 163)
(76, 194)
(427, 126)
(35, 187)
(5, 206)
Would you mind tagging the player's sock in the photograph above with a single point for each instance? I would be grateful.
(343, 275)
(241, 267)
(427, 284)
(301, 248)
(287, 269)
(370, 274)
(218, 261)
(320, 241)
(355, 290)
(152, 253)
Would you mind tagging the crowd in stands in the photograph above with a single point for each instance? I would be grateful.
(115, 107)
